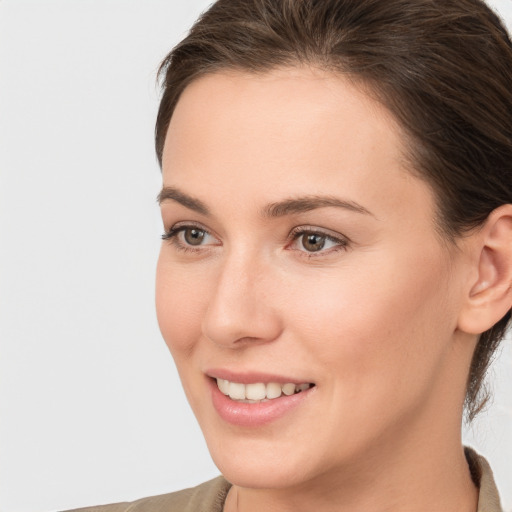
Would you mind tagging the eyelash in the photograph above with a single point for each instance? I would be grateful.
(172, 236)
(341, 243)
(297, 233)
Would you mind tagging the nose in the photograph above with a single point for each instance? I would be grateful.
(241, 309)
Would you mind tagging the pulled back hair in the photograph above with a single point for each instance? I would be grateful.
(443, 68)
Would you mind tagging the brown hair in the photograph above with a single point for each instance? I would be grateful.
(442, 67)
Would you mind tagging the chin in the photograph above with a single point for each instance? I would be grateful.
(260, 474)
(263, 463)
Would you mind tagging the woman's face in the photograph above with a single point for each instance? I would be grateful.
(301, 251)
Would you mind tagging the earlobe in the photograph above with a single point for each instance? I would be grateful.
(490, 295)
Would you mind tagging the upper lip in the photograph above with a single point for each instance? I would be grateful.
(250, 377)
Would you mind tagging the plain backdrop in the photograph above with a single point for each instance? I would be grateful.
(91, 409)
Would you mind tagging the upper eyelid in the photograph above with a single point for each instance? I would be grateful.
(293, 231)
(190, 224)
(299, 230)
(339, 241)
(293, 234)
(176, 228)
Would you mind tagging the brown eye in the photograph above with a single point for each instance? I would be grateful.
(313, 242)
(194, 236)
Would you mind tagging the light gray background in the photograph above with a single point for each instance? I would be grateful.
(91, 410)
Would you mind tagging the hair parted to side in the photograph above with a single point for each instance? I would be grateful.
(443, 68)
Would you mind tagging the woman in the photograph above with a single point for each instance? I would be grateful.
(336, 270)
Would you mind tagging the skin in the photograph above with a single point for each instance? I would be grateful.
(374, 322)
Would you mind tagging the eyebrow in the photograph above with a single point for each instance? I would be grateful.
(173, 194)
(273, 210)
(308, 203)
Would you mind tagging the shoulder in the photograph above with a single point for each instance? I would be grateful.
(207, 497)
(481, 472)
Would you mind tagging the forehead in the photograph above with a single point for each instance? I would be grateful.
(278, 106)
(288, 132)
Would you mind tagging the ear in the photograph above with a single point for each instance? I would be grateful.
(489, 295)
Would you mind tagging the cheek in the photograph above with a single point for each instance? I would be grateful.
(179, 306)
(374, 329)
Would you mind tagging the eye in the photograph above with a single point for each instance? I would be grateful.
(314, 241)
(193, 236)
(189, 238)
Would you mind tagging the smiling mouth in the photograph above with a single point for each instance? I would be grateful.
(260, 391)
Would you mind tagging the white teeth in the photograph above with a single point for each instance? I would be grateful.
(255, 391)
(252, 393)
(273, 390)
(223, 385)
(236, 391)
(289, 389)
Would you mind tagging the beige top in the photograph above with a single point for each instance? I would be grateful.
(210, 496)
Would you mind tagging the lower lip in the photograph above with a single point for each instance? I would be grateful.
(258, 414)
